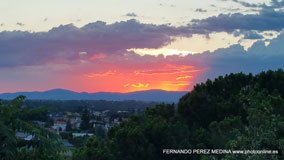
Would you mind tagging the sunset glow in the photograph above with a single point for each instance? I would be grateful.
(119, 46)
(166, 77)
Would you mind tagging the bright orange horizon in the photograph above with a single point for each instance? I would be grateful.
(168, 77)
(112, 74)
(119, 46)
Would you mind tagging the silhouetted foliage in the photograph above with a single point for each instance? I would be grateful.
(44, 145)
(68, 126)
(85, 124)
(237, 111)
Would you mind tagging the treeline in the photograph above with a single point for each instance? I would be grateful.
(237, 111)
(78, 105)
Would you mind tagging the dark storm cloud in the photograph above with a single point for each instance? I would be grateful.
(273, 4)
(246, 4)
(64, 43)
(249, 34)
(267, 19)
(259, 57)
(277, 3)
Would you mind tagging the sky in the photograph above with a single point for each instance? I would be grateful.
(126, 45)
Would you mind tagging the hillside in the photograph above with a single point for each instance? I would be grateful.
(61, 94)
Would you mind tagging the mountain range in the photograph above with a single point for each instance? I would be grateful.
(62, 94)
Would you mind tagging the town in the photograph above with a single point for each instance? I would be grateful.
(75, 127)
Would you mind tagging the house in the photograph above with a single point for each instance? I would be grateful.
(24, 136)
(75, 122)
(81, 134)
(116, 121)
(59, 126)
(107, 126)
(97, 114)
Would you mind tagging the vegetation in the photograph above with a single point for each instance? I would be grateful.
(85, 124)
(78, 105)
(14, 118)
(238, 111)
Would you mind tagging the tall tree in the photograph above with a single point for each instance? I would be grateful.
(85, 123)
(68, 126)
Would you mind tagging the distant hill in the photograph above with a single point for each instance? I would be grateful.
(62, 94)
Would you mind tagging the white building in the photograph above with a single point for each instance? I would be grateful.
(24, 136)
(81, 134)
(59, 126)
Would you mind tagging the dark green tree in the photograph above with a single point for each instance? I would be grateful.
(262, 130)
(44, 145)
(85, 124)
(68, 126)
(94, 148)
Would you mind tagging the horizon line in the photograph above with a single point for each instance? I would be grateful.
(53, 89)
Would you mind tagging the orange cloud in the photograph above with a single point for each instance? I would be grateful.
(177, 84)
(169, 69)
(137, 85)
(183, 77)
(129, 77)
